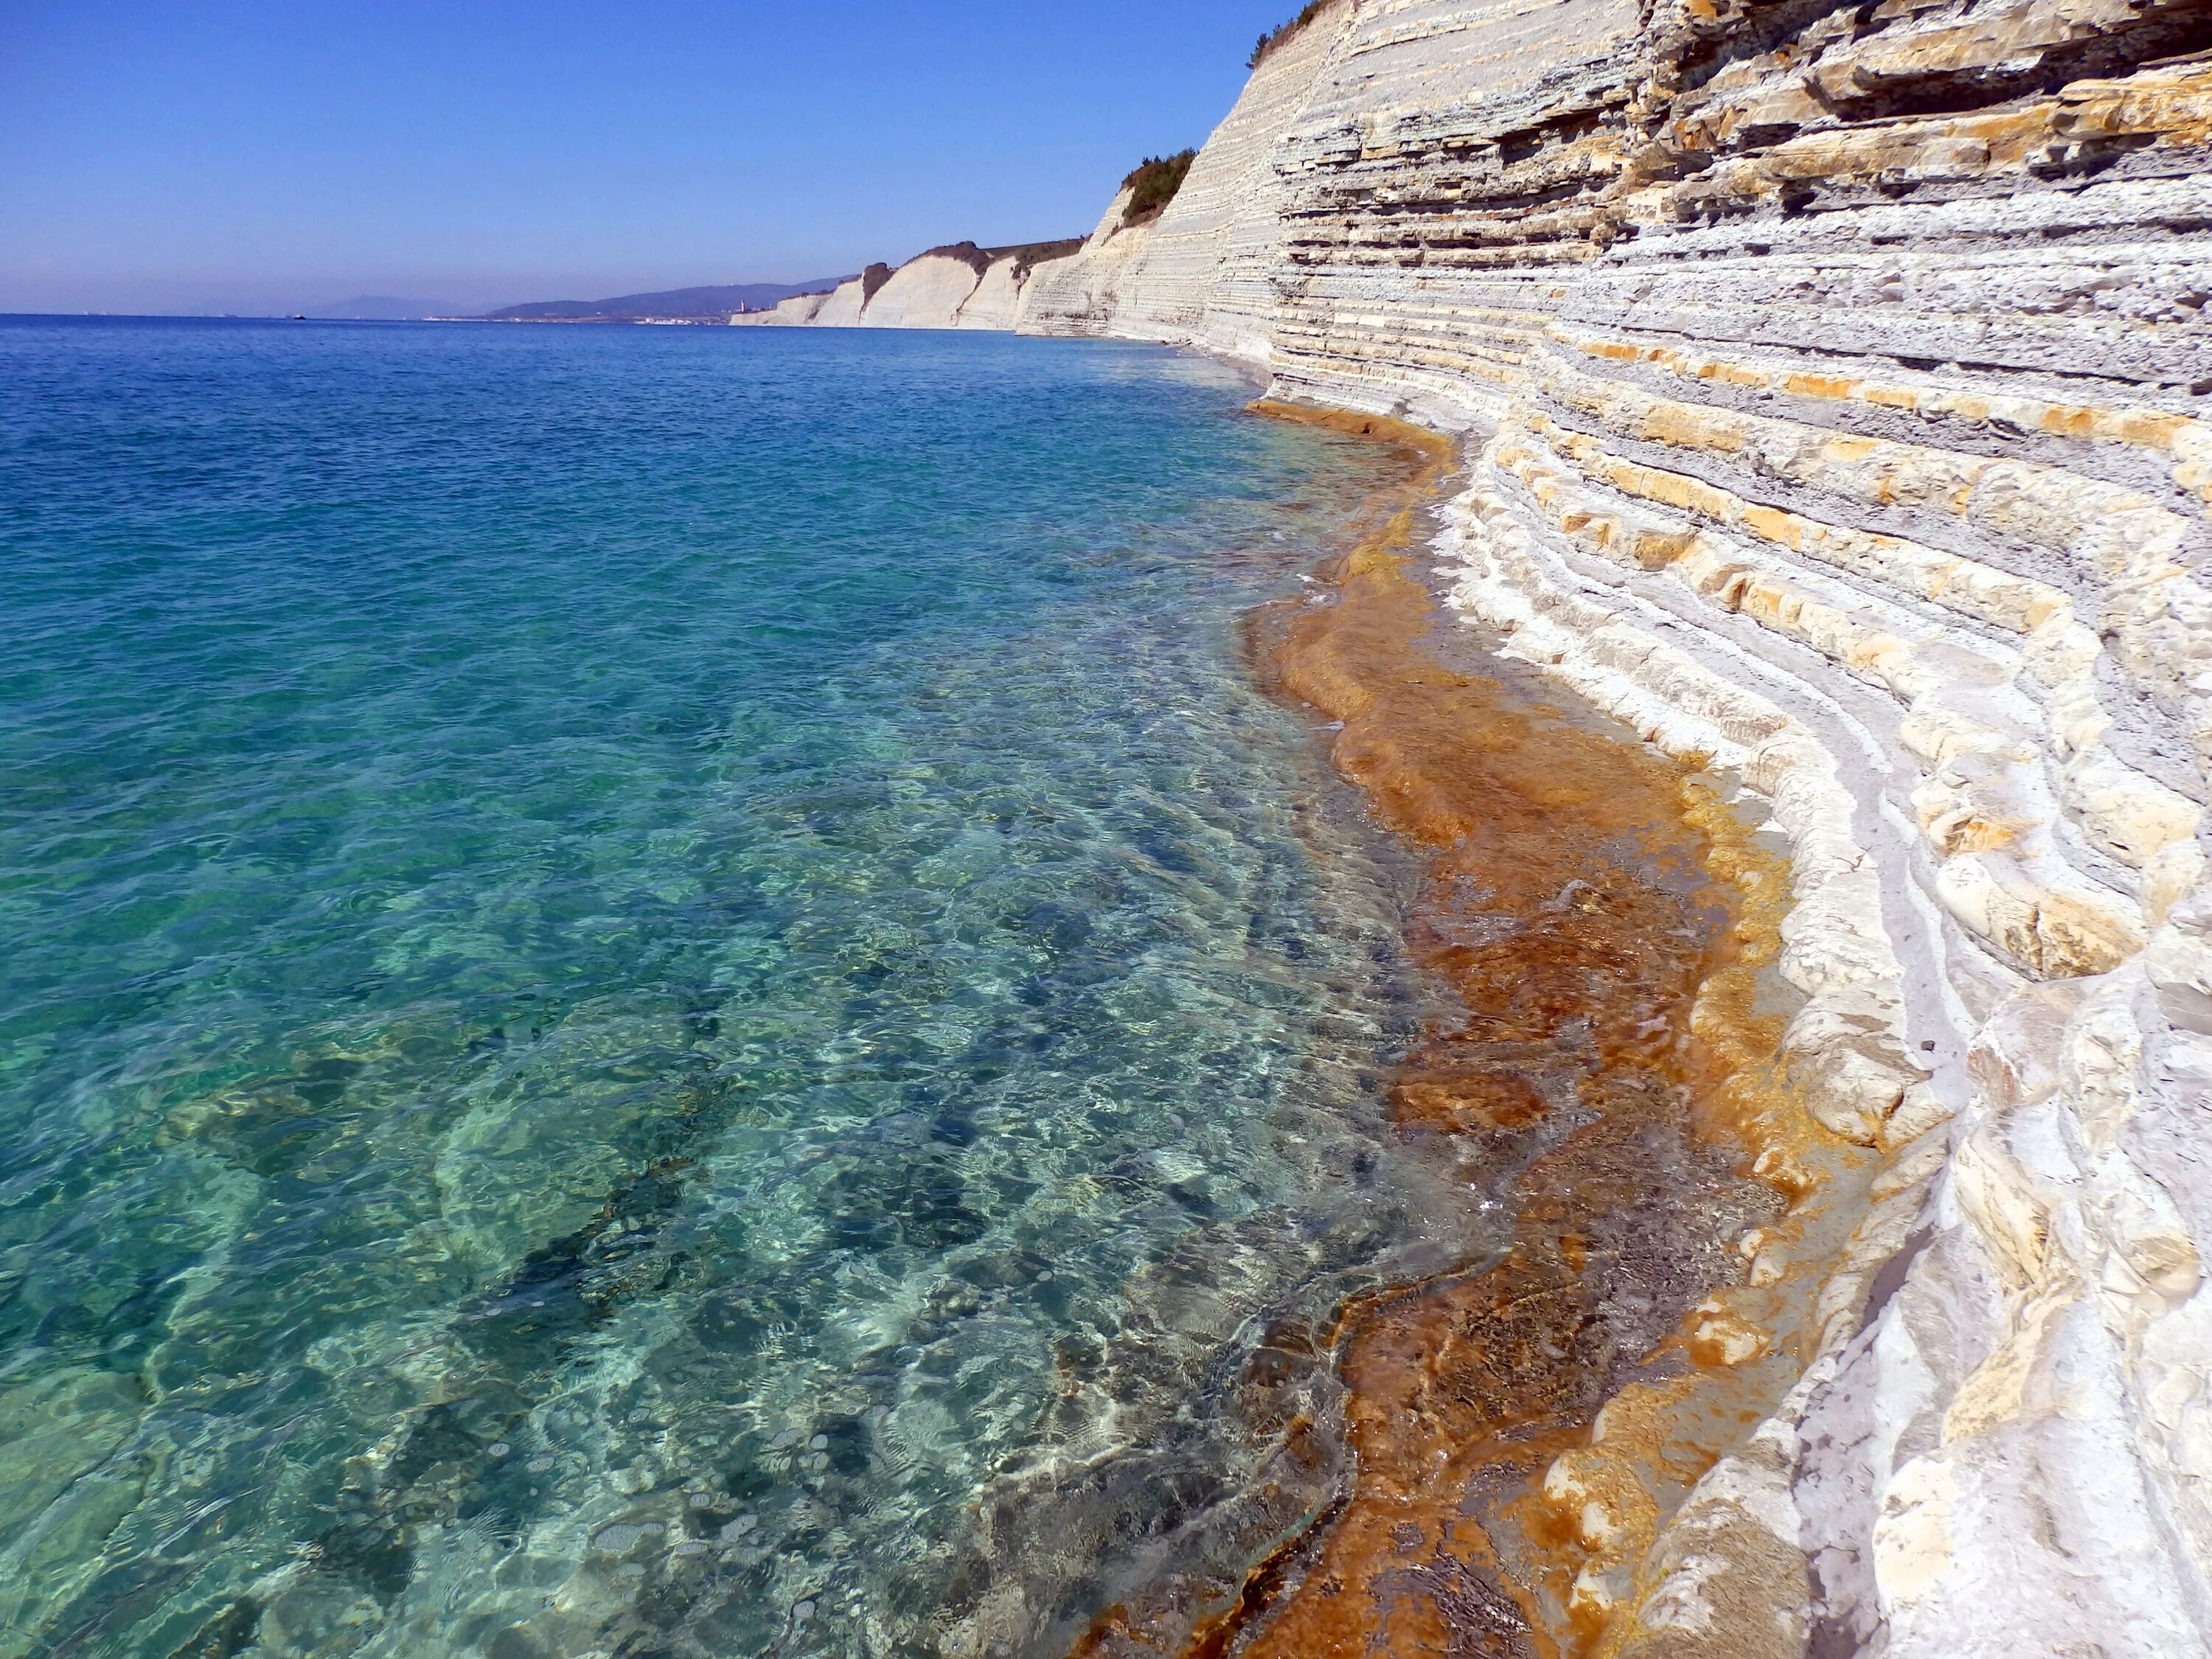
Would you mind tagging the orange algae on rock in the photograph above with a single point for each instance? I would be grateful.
(1521, 1429)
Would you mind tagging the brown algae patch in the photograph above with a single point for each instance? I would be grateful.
(1521, 1429)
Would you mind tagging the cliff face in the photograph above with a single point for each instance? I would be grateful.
(1083, 295)
(959, 287)
(1835, 381)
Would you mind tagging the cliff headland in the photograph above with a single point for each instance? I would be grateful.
(1835, 392)
(957, 286)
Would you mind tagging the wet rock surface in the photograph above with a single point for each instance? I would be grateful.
(1601, 1080)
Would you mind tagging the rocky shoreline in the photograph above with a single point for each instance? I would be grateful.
(1834, 386)
(1833, 383)
(1605, 919)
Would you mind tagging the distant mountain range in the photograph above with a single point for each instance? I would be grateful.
(715, 301)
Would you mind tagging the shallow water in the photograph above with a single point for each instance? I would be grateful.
(666, 990)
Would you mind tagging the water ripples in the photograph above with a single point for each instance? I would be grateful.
(650, 975)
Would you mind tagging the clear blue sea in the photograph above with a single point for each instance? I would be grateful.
(665, 991)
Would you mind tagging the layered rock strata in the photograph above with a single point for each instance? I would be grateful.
(1834, 386)
(1083, 294)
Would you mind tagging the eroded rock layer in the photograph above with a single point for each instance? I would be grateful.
(1834, 381)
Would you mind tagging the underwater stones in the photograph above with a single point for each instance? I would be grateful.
(624, 1536)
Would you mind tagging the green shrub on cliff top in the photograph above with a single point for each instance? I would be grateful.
(1282, 31)
(1153, 184)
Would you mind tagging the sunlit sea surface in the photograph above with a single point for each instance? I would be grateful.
(665, 991)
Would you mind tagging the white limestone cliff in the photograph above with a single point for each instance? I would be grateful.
(1834, 384)
(960, 287)
(923, 293)
(1083, 294)
(841, 309)
(799, 309)
(996, 300)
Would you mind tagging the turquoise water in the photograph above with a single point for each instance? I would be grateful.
(665, 992)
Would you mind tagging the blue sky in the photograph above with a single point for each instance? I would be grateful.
(159, 156)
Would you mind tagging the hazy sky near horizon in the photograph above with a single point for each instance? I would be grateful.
(230, 156)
